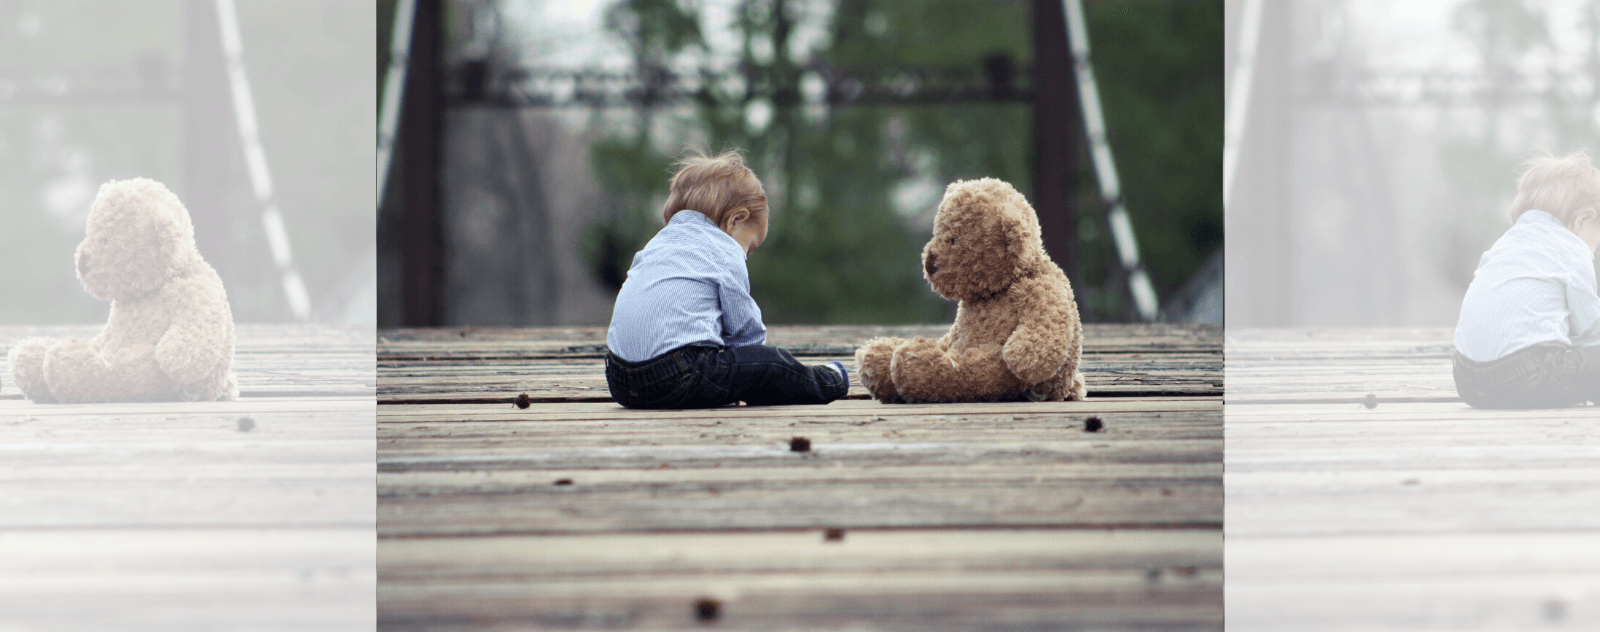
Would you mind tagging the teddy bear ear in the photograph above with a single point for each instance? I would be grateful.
(1021, 225)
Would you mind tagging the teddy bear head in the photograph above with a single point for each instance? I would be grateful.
(985, 236)
(139, 235)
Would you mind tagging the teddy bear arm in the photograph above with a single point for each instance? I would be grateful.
(199, 336)
(1048, 337)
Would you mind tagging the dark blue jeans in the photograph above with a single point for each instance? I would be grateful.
(1541, 376)
(704, 376)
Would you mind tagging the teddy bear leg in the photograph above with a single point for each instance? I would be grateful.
(926, 373)
(985, 376)
(211, 389)
(1077, 390)
(76, 373)
(872, 367)
(230, 388)
(27, 369)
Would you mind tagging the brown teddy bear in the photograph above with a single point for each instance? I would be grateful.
(170, 333)
(1016, 335)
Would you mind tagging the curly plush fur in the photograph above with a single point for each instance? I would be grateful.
(1017, 335)
(170, 333)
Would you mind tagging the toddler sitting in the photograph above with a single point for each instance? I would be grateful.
(1529, 333)
(685, 332)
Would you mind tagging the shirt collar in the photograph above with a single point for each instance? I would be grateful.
(1548, 222)
(687, 217)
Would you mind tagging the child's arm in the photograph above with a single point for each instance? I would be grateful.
(741, 317)
(1583, 309)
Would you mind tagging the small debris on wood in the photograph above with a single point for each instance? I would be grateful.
(246, 424)
(523, 400)
(1152, 574)
(1371, 401)
(799, 444)
(1411, 481)
(833, 534)
(563, 481)
(1185, 571)
(1093, 424)
(707, 609)
(1555, 610)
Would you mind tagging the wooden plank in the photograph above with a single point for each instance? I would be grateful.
(994, 579)
(574, 379)
(577, 512)
(844, 408)
(973, 464)
(1504, 581)
(1408, 515)
(1339, 364)
(557, 342)
(255, 513)
(156, 464)
(270, 360)
(164, 579)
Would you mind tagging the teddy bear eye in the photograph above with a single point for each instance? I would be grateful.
(954, 239)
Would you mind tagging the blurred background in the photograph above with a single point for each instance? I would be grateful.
(97, 90)
(1380, 145)
(535, 140)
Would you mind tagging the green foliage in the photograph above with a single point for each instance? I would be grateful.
(838, 250)
(1159, 66)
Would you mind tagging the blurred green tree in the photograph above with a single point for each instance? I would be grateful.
(852, 188)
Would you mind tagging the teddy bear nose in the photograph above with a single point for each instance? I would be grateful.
(930, 263)
(83, 263)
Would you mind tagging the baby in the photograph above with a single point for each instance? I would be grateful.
(1529, 334)
(685, 332)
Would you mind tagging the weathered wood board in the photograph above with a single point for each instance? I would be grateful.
(578, 513)
(1420, 514)
(250, 514)
(566, 364)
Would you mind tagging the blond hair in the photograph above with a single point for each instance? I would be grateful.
(1561, 186)
(715, 186)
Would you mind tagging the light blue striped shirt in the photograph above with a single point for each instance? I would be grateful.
(1535, 285)
(688, 285)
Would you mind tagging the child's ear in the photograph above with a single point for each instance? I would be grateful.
(734, 217)
(1583, 218)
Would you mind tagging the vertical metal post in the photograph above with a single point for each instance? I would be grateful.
(421, 132)
(208, 136)
(1056, 142)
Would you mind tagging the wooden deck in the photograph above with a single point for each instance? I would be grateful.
(166, 516)
(577, 513)
(1417, 513)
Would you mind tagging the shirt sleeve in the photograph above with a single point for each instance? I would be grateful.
(1583, 306)
(741, 317)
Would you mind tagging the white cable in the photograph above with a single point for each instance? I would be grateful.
(1244, 68)
(255, 158)
(1105, 169)
(393, 87)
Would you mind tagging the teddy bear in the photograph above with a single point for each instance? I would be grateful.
(1016, 336)
(170, 333)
